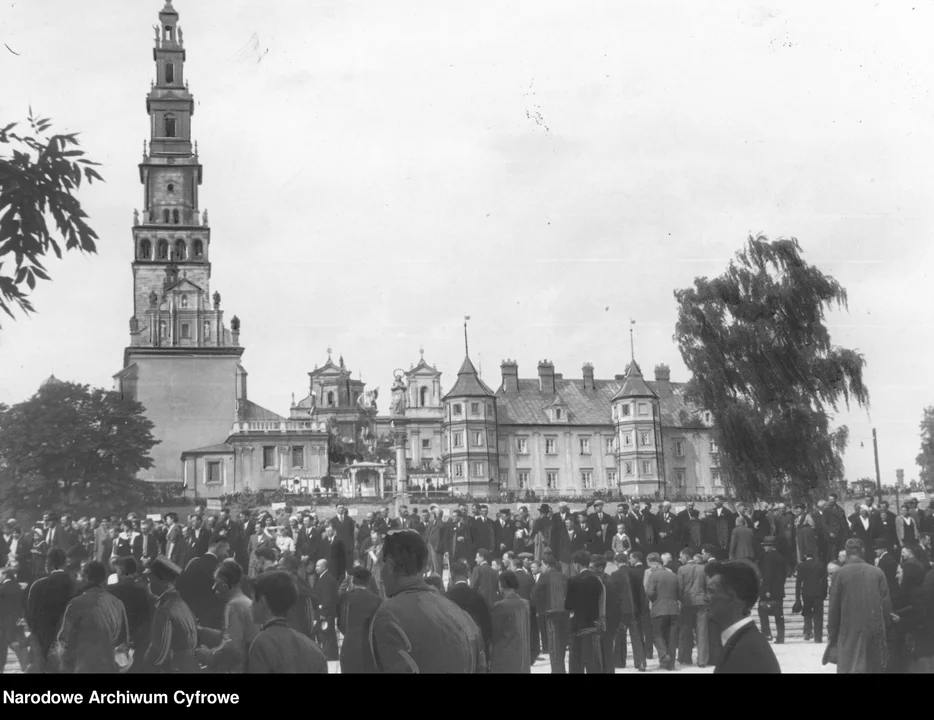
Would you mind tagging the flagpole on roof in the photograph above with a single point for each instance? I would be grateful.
(632, 344)
(466, 349)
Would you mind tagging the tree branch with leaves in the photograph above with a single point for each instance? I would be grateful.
(39, 179)
(756, 343)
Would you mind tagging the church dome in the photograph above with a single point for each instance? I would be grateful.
(50, 380)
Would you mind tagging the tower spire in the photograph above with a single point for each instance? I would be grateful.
(466, 347)
(632, 345)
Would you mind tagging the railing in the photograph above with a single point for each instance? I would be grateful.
(276, 426)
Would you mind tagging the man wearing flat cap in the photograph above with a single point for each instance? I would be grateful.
(174, 634)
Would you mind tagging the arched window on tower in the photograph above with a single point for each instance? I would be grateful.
(170, 125)
(423, 397)
(165, 216)
(176, 217)
(198, 249)
(181, 250)
(169, 73)
(330, 399)
(145, 249)
(163, 250)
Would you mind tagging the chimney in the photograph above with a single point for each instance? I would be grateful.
(619, 378)
(546, 377)
(662, 374)
(510, 371)
(588, 377)
(241, 383)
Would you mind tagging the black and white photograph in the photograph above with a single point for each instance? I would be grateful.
(502, 337)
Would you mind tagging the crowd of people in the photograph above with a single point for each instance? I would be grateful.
(283, 592)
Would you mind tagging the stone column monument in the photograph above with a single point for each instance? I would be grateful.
(397, 413)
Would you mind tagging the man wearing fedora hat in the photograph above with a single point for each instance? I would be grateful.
(772, 591)
(542, 530)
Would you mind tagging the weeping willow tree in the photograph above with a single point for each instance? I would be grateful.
(763, 364)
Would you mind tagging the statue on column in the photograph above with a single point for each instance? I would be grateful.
(136, 217)
(398, 395)
(235, 324)
(204, 218)
(181, 36)
(156, 29)
(217, 301)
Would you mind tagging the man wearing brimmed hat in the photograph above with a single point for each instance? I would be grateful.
(859, 616)
(772, 590)
(174, 629)
(541, 532)
(887, 563)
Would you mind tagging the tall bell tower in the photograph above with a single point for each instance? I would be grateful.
(182, 362)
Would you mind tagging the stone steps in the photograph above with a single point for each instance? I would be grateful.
(794, 624)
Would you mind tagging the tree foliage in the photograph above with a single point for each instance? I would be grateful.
(763, 364)
(72, 447)
(39, 177)
(925, 458)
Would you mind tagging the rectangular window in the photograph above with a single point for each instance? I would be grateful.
(490, 439)
(523, 480)
(551, 479)
(624, 410)
(714, 448)
(644, 438)
(715, 476)
(477, 439)
(298, 456)
(628, 468)
(646, 467)
(269, 457)
(458, 470)
(426, 445)
(586, 480)
(457, 408)
(474, 408)
(611, 477)
(679, 477)
(522, 446)
(627, 438)
(214, 473)
(679, 448)
(643, 409)
(169, 73)
(585, 446)
(551, 446)
(611, 446)
(478, 470)
(186, 331)
(458, 440)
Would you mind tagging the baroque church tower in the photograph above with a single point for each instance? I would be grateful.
(182, 363)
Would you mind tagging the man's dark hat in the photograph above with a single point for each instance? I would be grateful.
(544, 509)
(880, 544)
(769, 540)
(164, 569)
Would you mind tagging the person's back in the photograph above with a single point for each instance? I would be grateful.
(860, 607)
(662, 587)
(474, 604)
(279, 650)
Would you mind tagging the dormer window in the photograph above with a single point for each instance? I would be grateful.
(558, 413)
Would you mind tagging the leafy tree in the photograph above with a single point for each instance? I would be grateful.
(763, 364)
(39, 177)
(925, 458)
(72, 447)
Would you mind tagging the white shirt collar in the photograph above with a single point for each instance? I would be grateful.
(733, 629)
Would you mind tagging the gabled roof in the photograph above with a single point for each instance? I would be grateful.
(329, 368)
(634, 386)
(589, 407)
(423, 368)
(126, 372)
(249, 411)
(180, 283)
(469, 383)
(558, 401)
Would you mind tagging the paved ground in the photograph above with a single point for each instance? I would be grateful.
(795, 656)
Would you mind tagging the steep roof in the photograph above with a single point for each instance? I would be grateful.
(469, 383)
(249, 411)
(589, 407)
(634, 385)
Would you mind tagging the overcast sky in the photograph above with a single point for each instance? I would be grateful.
(374, 171)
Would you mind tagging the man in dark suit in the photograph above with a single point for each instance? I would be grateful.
(771, 601)
(481, 528)
(613, 613)
(661, 588)
(484, 579)
(602, 527)
(346, 529)
(308, 544)
(571, 542)
(149, 545)
(692, 591)
(810, 591)
(325, 597)
(628, 620)
(131, 591)
(335, 553)
(733, 588)
(864, 526)
(650, 528)
(459, 539)
(199, 540)
(641, 603)
(669, 531)
(887, 563)
(549, 595)
(503, 533)
(45, 606)
(723, 522)
(470, 601)
(196, 587)
(526, 583)
(886, 526)
(585, 596)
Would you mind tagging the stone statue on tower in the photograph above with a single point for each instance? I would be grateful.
(398, 395)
